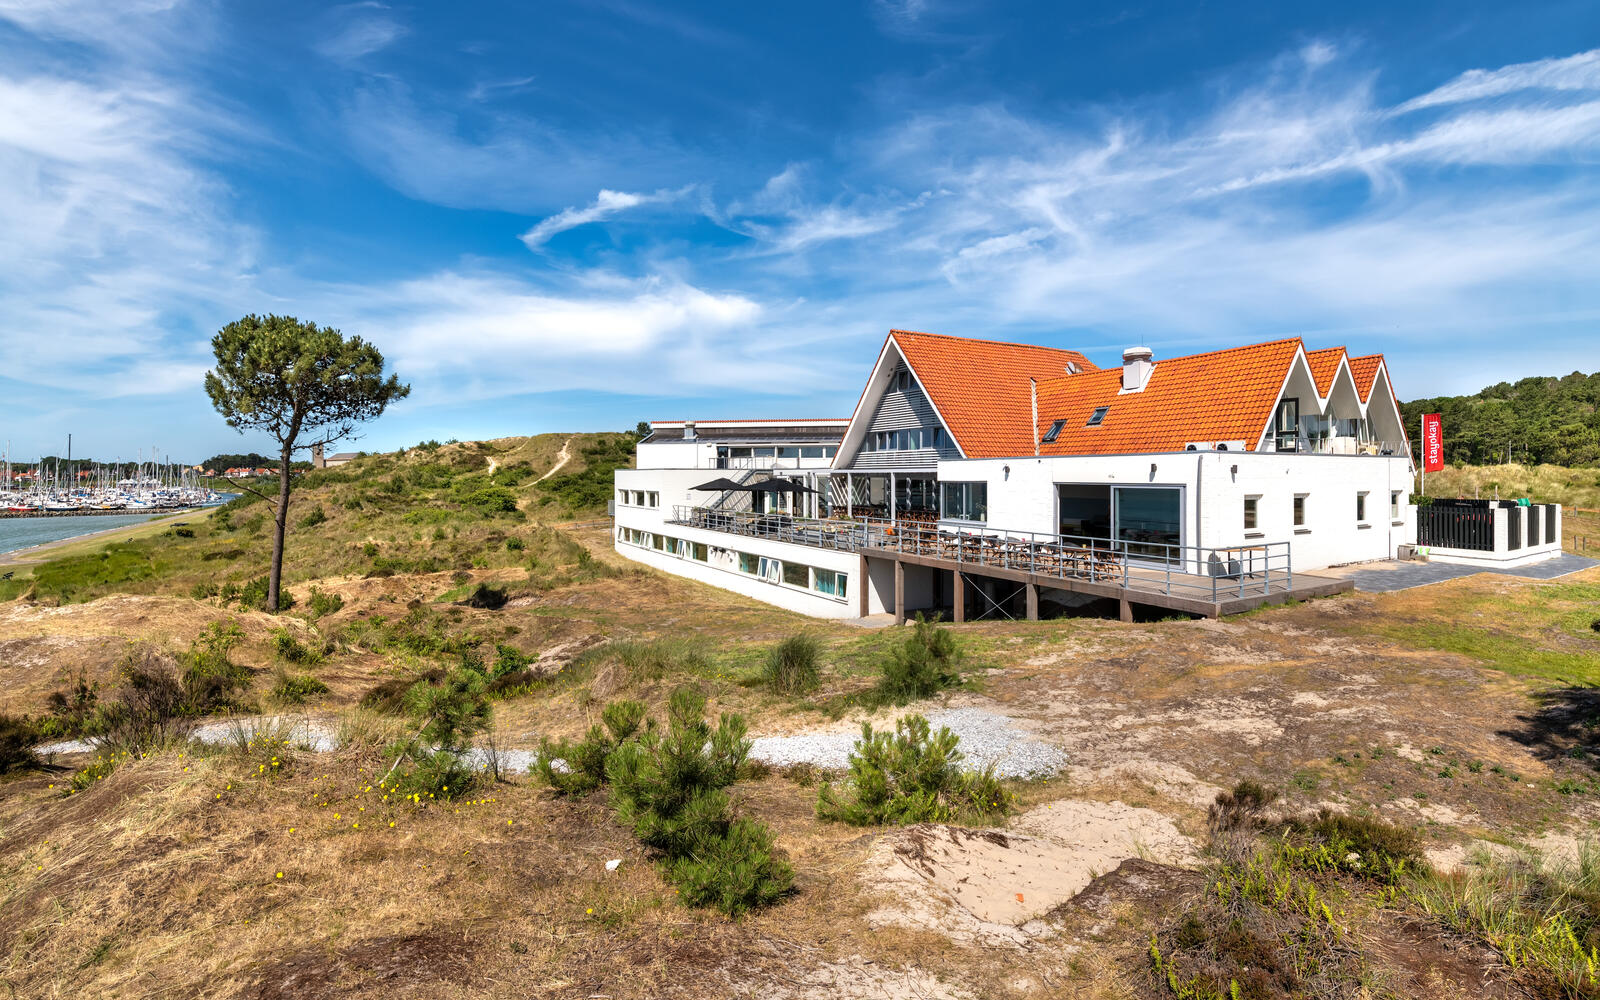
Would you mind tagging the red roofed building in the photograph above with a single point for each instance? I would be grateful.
(969, 463)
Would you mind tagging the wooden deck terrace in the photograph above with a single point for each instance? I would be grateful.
(1209, 582)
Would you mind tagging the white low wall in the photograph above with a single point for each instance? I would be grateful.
(1504, 556)
(721, 568)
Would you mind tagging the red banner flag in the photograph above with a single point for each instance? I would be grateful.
(1432, 443)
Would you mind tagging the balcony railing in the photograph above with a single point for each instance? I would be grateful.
(1181, 570)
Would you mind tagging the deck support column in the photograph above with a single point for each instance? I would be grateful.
(1033, 602)
(899, 592)
(1125, 610)
(863, 587)
(850, 496)
(959, 598)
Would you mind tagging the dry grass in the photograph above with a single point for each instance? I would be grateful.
(163, 879)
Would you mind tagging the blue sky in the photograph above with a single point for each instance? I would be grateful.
(575, 215)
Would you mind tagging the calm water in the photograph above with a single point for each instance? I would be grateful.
(22, 532)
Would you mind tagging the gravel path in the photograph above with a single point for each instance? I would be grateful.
(986, 738)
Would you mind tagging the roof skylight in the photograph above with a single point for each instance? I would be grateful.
(1098, 415)
(1055, 429)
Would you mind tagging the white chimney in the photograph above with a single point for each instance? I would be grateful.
(1136, 368)
(688, 430)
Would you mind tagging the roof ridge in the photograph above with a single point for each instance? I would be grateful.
(984, 340)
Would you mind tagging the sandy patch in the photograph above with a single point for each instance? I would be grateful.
(858, 979)
(992, 886)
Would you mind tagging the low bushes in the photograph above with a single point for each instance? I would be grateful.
(296, 689)
(912, 775)
(669, 787)
(1541, 914)
(288, 648)
(791, 665)
(577, 767)
(17, 737)
(323, 603)
(927, 662)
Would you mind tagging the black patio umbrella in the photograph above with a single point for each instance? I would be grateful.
(781, 486)
(720, 485)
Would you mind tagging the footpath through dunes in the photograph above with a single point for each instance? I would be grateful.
(274, 856)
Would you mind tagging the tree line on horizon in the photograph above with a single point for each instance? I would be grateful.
(1539, 420)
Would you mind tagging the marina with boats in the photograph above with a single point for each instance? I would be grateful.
(67, 489)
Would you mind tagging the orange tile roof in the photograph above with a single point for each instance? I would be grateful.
(1324, 366)
(1223, 395)
(1365, 370)
(980, 387)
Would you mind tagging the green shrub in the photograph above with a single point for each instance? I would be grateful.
(670, 789)
(183, 532)
(452, 711)
(253, 596)
(927, 662)
(438, 774)
(579, 767)
(73, 710)
(314, 517)
(210, 677)
(487, 597)
(204, 590)
(515, 544)
(791, 665)
(912, 775)
(369, 549)
(287, 647)
(1542, 914)
(323, 603)
(17, 737)
(296, 689)
(1367, 848)
(493, 499)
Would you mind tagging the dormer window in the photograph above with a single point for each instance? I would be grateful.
(1098, 415)
(1053, 432)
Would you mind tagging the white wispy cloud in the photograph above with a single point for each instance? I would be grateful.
(1575, 72)
(354, 31)
(606, 205)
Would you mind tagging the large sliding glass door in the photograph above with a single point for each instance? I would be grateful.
(1149, 520)
(1143, 520)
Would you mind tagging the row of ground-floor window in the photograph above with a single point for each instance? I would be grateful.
(778, 572)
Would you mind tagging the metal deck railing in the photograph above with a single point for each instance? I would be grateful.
(1213, 574)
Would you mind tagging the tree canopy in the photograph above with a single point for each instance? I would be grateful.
(1533, 420)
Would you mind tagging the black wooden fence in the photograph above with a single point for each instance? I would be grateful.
(1451, 527)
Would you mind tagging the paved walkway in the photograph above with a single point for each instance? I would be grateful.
(1381, 578)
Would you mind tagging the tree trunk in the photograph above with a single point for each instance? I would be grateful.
(280, 523)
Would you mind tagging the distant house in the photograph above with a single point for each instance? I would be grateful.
(340, 459)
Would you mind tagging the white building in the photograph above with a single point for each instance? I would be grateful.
(979, 477)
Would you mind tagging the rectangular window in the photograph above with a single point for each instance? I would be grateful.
(622, 496)
(1288, 424)
(830, 451)
(826, 581)
(659, 543)
(964, 501)
(1097, 416)
(1394, 505)
(796, 575)
(811, 451)
(769, 569)
(697, 551)
(1251, 505)
(655, 498)
(1053, 432)
(749, 563)
(638, 498)
(1300, 510)
(763, 452)
(1361, 508)
(789, 451)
